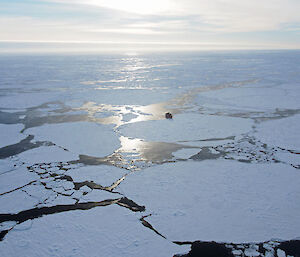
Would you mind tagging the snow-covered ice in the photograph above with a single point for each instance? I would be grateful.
(219, 200)
(187, 127)
(104, 231)
(257, 97)
(282, 132)
(79, 137)
(104, 175)
(47, 154)
(10, 134)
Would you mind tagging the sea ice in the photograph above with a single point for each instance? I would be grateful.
(283, 132)
(28, 100)
(10, 134)
(219, 200)
(79, 137)
(47, 154)
(187, 127)
(15, 178)
(103, 175)
(259, 97)
(15, 202)
(103, 231)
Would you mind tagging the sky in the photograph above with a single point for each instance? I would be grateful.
(162, 25)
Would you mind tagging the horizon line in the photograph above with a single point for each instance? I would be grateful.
(137, 47)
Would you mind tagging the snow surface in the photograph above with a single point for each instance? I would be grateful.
(47, 154)
(187, 127)
(219, 200)
(103, 175)
(104, 231)
(31, 98)
(79, 137)
(256, 97)
(16, 178)
(282, 133)
(10, 134)
(16, 200)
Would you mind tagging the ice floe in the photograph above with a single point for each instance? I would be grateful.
(187, 126)
(10, 134)
(79, 137)
(283, 132)
(99, 236)
(219, 200)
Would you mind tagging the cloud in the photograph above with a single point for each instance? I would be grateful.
(243, 16)
(141, 7)
(201, 22)
(213, 15)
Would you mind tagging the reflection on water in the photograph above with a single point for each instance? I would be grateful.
(132, 73)
(152, 111)
(135, 154)
(118, 114)
(155, 152)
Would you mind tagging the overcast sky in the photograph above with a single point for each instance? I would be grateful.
(148, 24)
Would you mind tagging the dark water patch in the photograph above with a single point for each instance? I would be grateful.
(89, 184)
(148, 225)
(211, 139)
(206, 154)
(209, 249)
(267, 248)
(90, 160)
(3, 233)
(293, 152)
(31, 122)
(39, 115)
(217, 139)
(244, 161)
(22, 146)
(262, 249)
(291, 247)
(129, 204)
(31, 113)
(183, 242)
(62, 177)
(92, 185)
